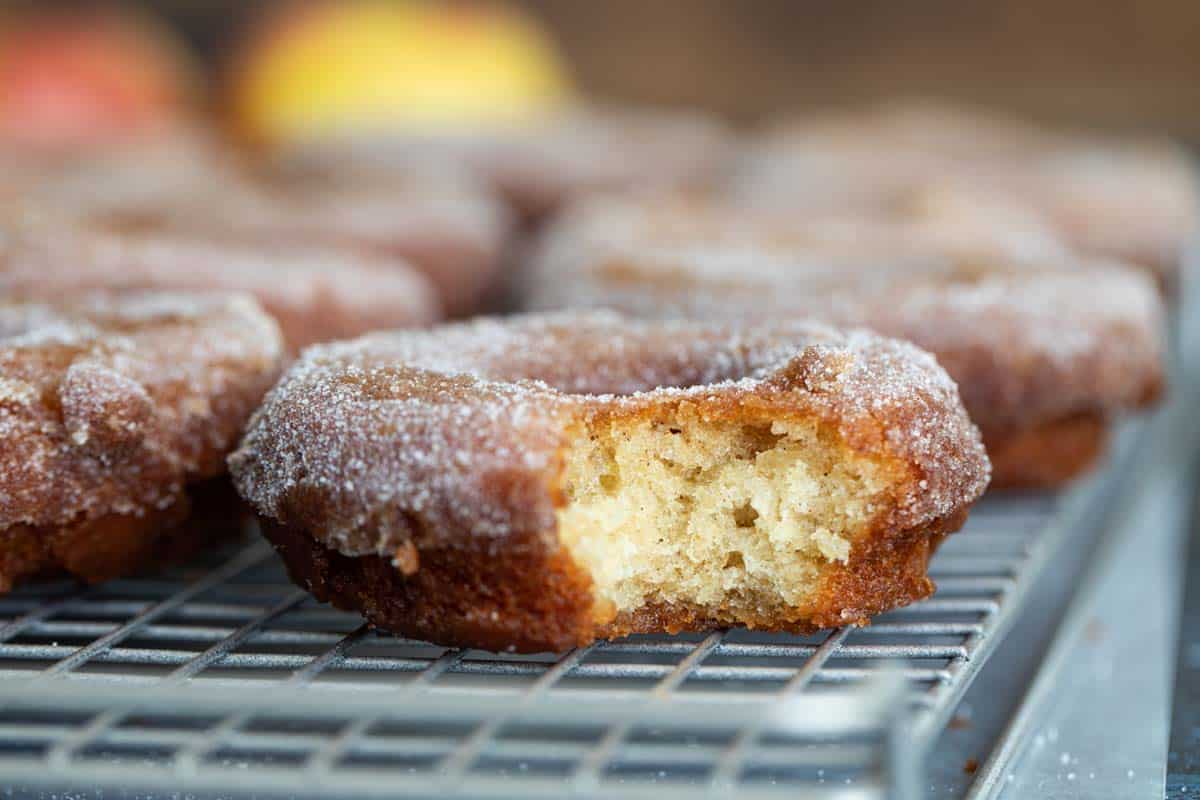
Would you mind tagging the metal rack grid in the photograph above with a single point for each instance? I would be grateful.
(188, 681)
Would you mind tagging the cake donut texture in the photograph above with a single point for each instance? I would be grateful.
(538, 482)
(112, 409)
(1046, 348)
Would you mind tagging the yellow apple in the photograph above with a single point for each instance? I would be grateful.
(316, 69)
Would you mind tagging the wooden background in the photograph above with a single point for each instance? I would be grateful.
(1119, 64)
(1122, 64)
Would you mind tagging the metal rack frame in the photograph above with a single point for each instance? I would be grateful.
(225, 678)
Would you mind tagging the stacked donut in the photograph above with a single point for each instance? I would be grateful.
(755, 391)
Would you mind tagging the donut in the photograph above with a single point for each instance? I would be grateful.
(539, 166)
(315, 294)
(1132, 200)
(1046, 348)
(174, 163)
(435, 219)
(441, 221)
(538, 482)
(114, 409)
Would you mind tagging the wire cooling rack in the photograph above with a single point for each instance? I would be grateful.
(223, 679)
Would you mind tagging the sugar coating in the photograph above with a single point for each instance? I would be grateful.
(459, 431)
(539, 164)
(439, 221)
(190, 175)
(1029, 331)
(665, 237)
(433, 217)
(111, 403)
(1133, 199)
(315, 294)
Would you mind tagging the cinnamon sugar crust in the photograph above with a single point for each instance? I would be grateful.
(438, 221)
(1129, 199)
(434, 218)
(315, 295)
(1047, 455)
(114, 545)
(541, 166)
(111, 407)
(444, 483)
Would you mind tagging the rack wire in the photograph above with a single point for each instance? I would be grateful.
(222, 677)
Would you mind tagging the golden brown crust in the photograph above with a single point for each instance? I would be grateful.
(111, 406)
(886, 570)
(1046, 455)
(107, 547)
(416, 476)
(526, 600)
(520, 598)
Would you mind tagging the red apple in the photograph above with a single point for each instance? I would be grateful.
(70, 80)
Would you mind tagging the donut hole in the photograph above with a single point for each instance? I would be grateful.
(730, 520)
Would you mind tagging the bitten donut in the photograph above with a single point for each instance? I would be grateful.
(113, 409)
(538, 482)
(1133, 200)
(1045, 348)
(315, 295)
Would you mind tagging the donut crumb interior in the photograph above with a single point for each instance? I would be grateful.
(732, 518)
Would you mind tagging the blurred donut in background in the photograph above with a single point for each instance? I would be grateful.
(364, 88)
(539, 168)
(436, 220)
(1128, 199)
(436, 217)
(315, 294)
(89, 77)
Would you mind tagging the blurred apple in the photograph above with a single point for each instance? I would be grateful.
(91, 77)
(318, 69)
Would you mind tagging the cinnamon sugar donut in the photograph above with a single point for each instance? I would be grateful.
(113, 409)
(1133, 200)
(538, 482)
(1045, 347)
(440, 221)
(540, 165)
(434, 218)
(315, 295)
